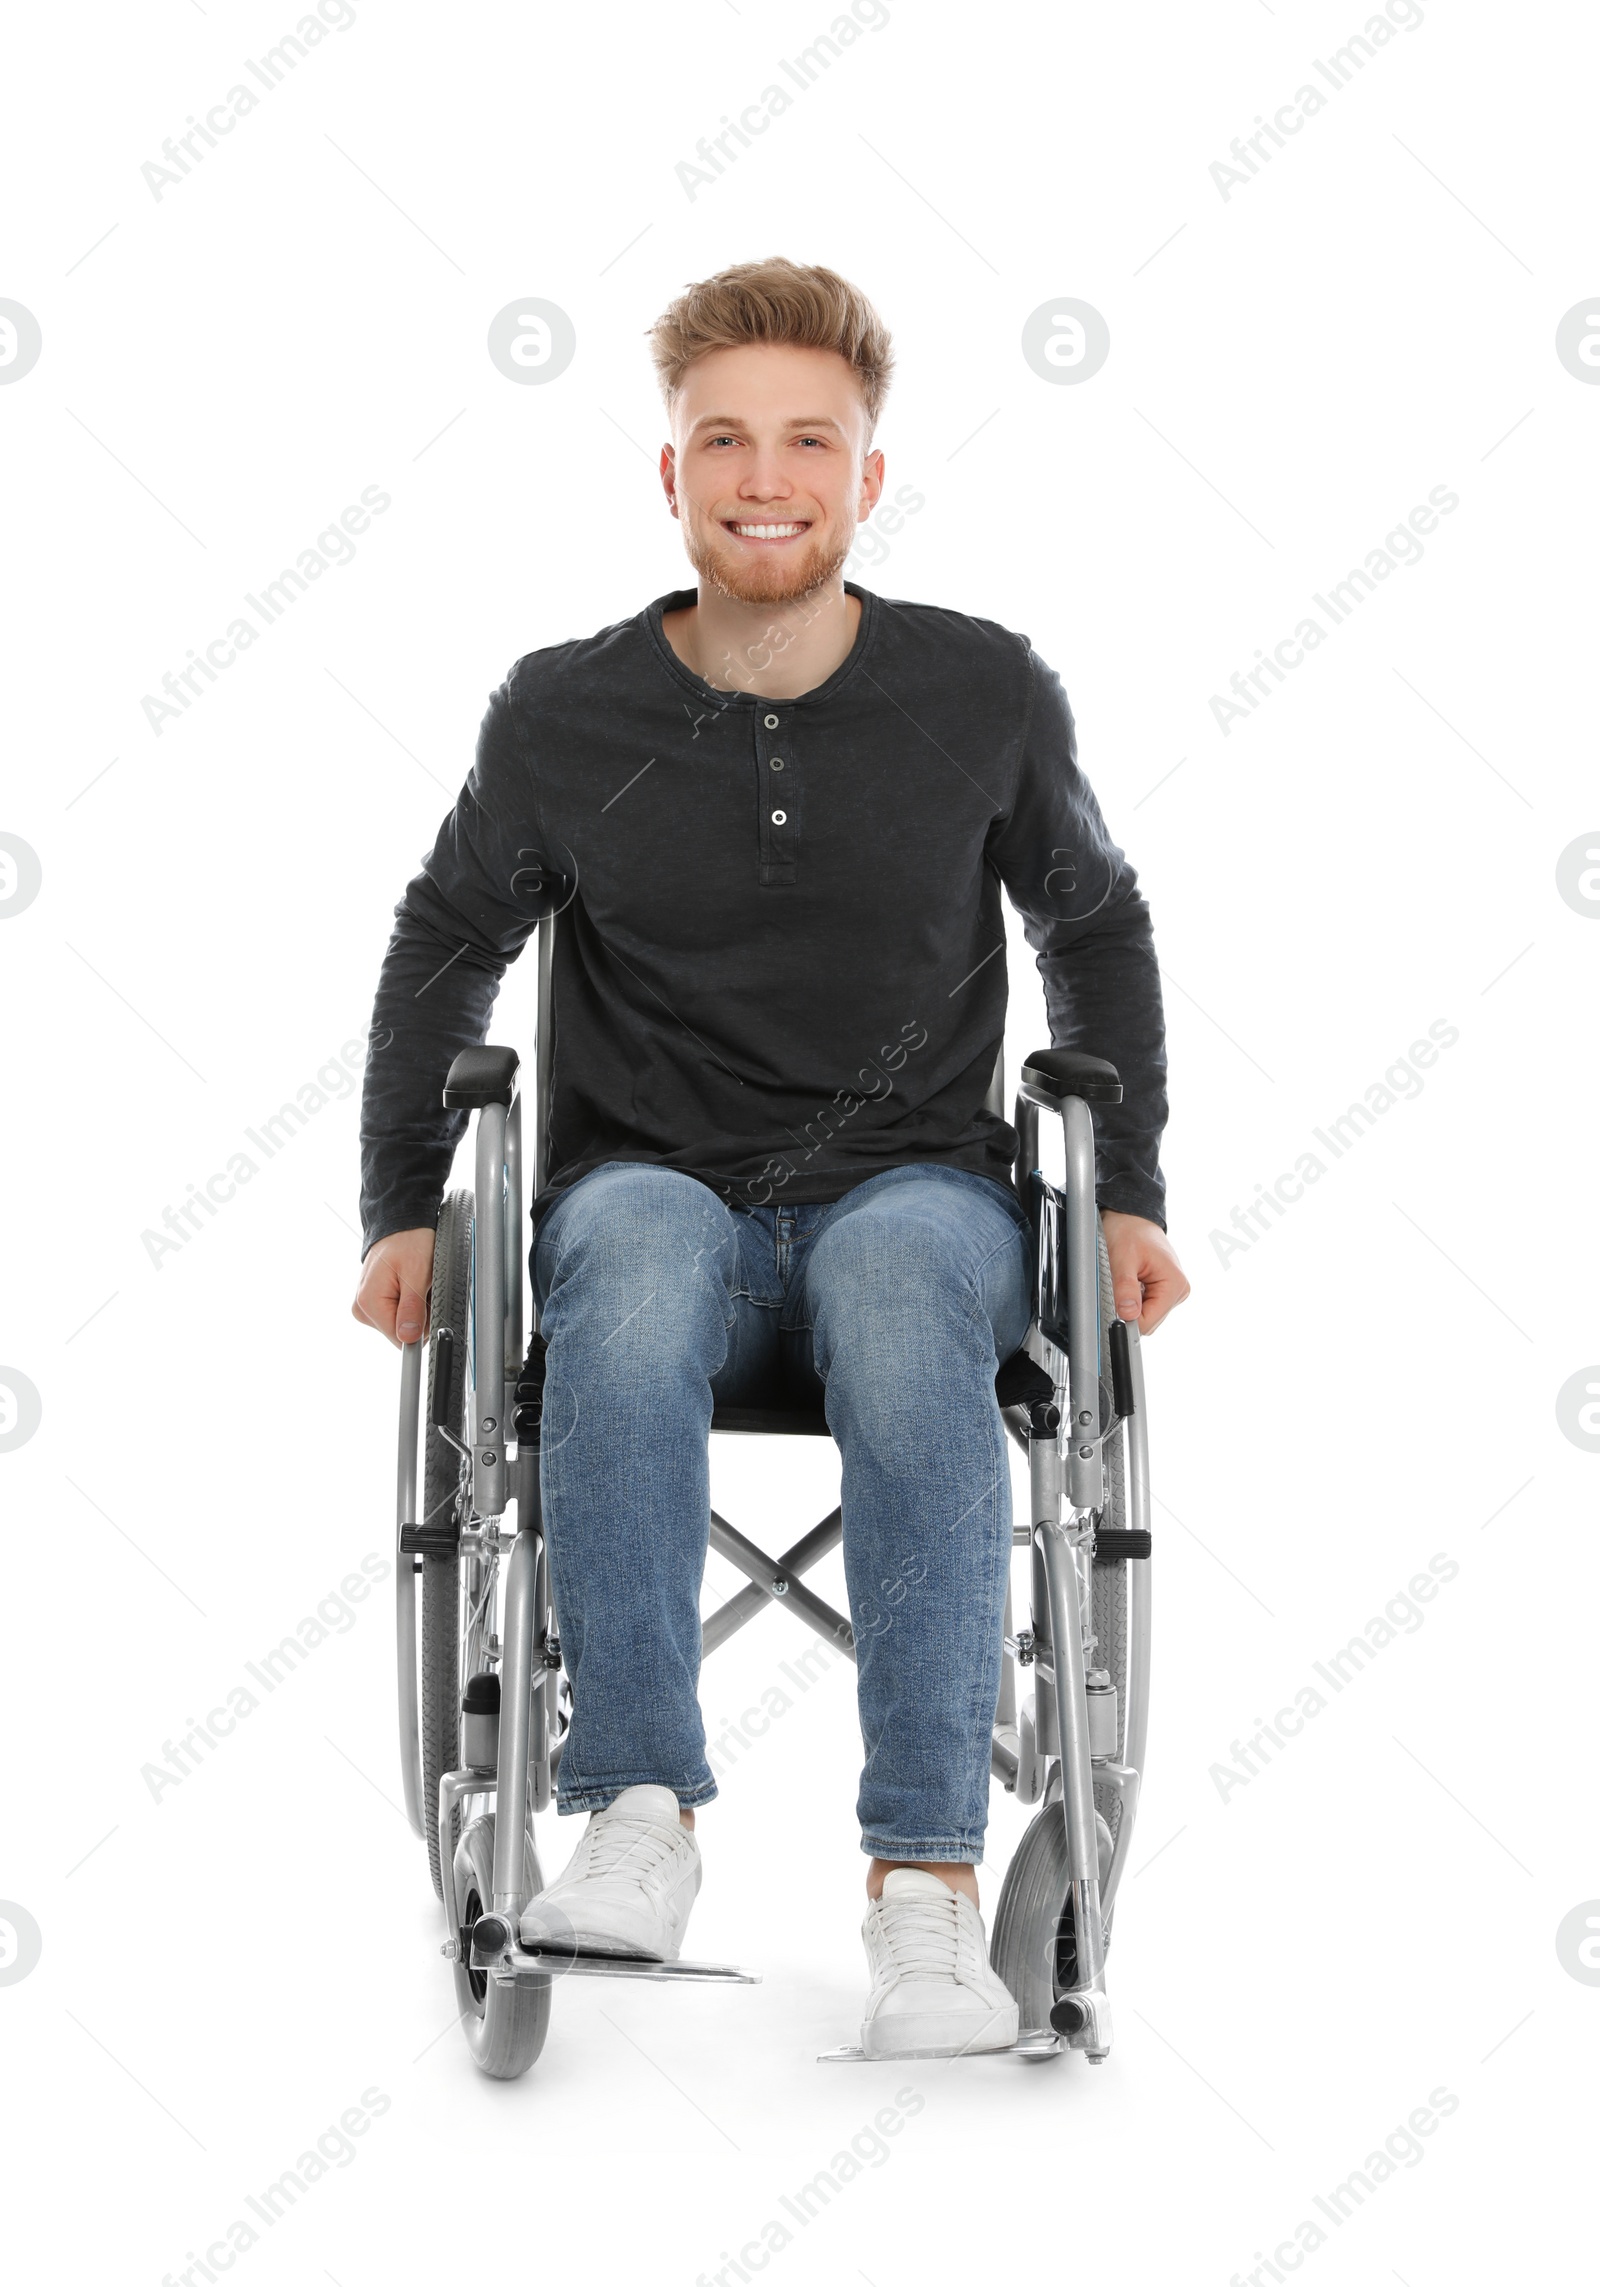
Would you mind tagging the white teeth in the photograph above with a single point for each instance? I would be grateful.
(768, 531)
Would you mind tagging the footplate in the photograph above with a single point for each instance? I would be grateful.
(496, 1948)
(1031, 2047)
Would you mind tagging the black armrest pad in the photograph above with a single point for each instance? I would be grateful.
(1062, 1072)
(481, 1076)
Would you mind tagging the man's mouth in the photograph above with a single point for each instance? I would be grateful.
(765, 534)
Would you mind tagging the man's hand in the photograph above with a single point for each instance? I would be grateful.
(1146, 1276)
(395, 1278)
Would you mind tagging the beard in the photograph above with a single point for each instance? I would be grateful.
(755, 579)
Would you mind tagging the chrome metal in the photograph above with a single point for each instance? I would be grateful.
(1080, 1428)
(518, 1622)
(543, 1055)
(1083, 1848)
(1044, 1496)
(1138, 1487)
(524, 1483)
(478, 1576)
(1028, 2046)
(514, 1263)
(489, 1539)
(1125, 1779)
(405, 1585)
(455, 1787)
(1032, 1766)
(761, 1570)
(1093, 2035)
(545, 1962)
(488, 1390)
(1102, 1707)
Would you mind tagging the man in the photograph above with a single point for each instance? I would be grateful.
(774, 813)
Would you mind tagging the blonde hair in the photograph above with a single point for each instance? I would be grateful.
(775, 301)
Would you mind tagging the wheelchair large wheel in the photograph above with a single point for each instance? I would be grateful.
(1034, 1948)
(505, 2024)
(444, 1475)
(1110, 1615)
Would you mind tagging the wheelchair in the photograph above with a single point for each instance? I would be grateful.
(484, 1706)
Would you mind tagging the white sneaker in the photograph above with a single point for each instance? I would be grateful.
(628, 1886)
(933, 1993)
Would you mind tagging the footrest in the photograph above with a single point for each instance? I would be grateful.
(550, 1961)
(505, 1954)
(1031, 2047)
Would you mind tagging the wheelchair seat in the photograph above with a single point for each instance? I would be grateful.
(780, 1412)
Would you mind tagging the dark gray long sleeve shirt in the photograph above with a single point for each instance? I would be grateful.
(779, 959)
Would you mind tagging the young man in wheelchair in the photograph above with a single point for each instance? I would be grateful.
(774, 813)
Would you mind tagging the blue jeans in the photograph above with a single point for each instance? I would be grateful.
(894, 1305)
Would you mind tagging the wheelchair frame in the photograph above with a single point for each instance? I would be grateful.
(1078, 1741)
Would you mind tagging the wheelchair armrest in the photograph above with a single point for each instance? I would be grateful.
(480, 1076)
(1051, 1075)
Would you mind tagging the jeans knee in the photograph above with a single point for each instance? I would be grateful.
(642, 1260)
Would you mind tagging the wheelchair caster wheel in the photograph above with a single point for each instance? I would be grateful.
(504, 2019)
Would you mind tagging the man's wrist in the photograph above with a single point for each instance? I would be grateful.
(1121, 1199)
(420, 1215)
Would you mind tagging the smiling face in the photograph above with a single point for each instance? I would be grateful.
(768, 470)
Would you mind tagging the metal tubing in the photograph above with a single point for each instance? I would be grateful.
(546, 1680)
(405, 1584)
(758, 1567)
(1138, 1711)
(1044, 1484)
(1125, 1779)
(1081, 1429)
(454, 1787)
(1004, 1761)
(543, 1055)
(516, 1689)
(488, 1316)
(514, 1345)
(745, 1603)
(1077, 1778)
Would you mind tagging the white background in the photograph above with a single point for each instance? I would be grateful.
(1371, 1383)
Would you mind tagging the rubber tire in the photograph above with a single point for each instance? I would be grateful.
(505, 2025)
(1029, 1949)
(1110, 1601)
(440, 1692)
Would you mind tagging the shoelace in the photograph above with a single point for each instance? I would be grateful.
(628, 1845)
(923, 1934)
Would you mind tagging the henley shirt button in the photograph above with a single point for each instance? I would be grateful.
(776, 762)
(780, 817)
(772, 722)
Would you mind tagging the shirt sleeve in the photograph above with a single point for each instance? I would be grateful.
(1089, 926)
(464, 918)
